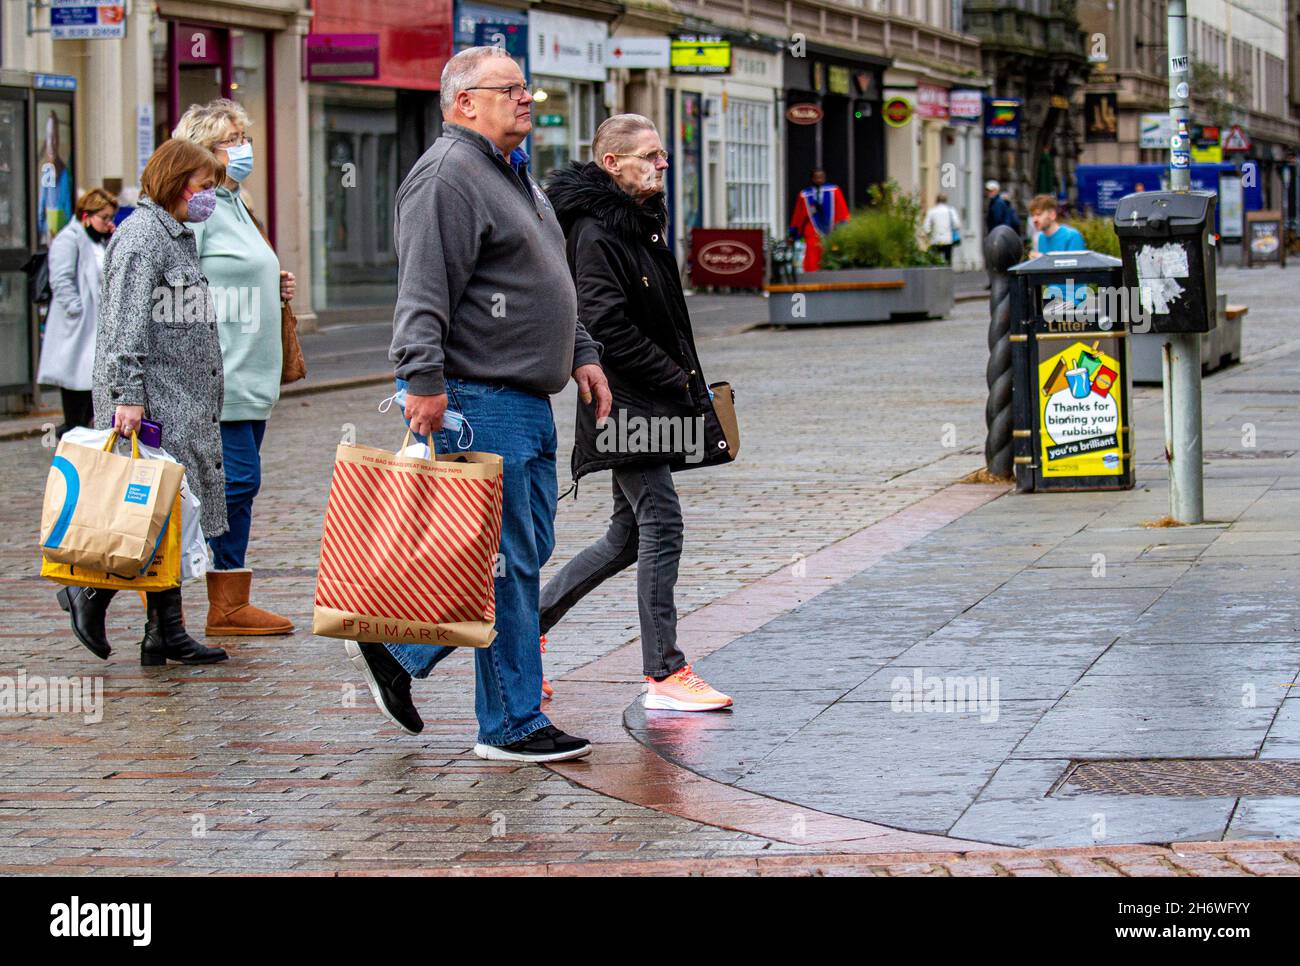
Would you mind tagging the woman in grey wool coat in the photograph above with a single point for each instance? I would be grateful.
(157, 356)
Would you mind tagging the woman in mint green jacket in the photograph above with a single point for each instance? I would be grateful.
(247, 288)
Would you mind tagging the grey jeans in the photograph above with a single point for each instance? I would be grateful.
(646, 529)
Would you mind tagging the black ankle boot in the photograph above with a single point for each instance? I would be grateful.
(88, 606)
(164, 634)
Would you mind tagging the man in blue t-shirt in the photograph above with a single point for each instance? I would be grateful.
(1054, 237)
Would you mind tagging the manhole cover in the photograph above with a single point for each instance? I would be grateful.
(1249, 454)
(1205, 778)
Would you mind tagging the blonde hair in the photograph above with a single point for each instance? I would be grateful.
(616, 134)
(205, 124)
(93, 200)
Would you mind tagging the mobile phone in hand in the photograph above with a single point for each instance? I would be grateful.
(150, 432)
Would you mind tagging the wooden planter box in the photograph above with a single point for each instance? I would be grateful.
(863, 295)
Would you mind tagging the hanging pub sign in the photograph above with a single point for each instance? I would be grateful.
(700, 54)
(1101, 113)
(804, 114)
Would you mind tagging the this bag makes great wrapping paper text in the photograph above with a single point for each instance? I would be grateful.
(106, 511)
(409, 548)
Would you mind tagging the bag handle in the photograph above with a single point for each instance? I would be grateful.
(114, 436)
(406, 441)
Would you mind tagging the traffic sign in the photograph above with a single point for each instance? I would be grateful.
(1236, 140)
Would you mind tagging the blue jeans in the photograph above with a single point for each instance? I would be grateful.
(241, 444)
(508, 675)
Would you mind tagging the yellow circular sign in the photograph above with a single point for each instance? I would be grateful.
(897, 111)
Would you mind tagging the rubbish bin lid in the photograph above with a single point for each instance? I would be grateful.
(1054, 263)
(1162, 211)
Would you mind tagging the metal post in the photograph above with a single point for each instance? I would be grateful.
(1183, 375)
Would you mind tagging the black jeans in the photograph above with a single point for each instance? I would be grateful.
(78, 409)
(646, 529)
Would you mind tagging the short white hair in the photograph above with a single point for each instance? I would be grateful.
(617, 134)
(463, 72)
(992, 186)
(206, 124)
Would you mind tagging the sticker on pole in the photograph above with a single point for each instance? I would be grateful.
(1079, 413)
(1179, 65)
(1158, 269)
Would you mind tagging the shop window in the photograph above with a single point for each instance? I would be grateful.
(749, 163)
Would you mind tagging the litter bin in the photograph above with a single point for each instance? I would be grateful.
(1070, 385)
(1165, 239)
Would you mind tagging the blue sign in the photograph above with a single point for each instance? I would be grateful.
(54, 82)
(1102, 185)
(1002, 117)
(87, 19)
(512, 36)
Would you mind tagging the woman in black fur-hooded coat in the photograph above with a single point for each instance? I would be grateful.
(630, 300)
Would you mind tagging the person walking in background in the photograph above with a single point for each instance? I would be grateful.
(630, 298)
(76, 269)
(817, 210)
(157, 356)
(248, 287)
(487, 323)
(1001, 211)
(942, 227)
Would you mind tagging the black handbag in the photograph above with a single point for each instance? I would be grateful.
(38, 277)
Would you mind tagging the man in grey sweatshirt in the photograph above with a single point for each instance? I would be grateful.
(487, 321)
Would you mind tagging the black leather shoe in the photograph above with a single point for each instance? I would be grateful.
(165, 638)
(544, 744)
(389, 682)
(88, 606)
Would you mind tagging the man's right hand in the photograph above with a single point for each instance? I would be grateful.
(425, 412)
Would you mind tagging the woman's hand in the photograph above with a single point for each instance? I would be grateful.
(288, 285)
(128, 419)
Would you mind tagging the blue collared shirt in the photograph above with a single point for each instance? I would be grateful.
(518, 159)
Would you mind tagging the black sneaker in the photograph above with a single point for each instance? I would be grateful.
(544, 744)
(390, 684)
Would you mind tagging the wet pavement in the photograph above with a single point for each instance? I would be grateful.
(843, 503)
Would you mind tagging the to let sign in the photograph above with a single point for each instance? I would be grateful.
(87, 19)
(341, 57)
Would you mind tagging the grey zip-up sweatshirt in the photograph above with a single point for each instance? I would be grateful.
(483, 285)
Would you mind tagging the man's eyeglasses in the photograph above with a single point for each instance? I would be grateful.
(515, 91)
(652, 156)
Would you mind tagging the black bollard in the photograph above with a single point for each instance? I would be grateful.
(1002, 249)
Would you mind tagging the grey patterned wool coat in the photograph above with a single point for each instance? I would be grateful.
(157, 347)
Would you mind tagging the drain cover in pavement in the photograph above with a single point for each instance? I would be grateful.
(1249, 454)
(1210, 777)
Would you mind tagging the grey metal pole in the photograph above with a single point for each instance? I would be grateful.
(1183, 383)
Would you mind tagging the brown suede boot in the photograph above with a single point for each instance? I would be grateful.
(229, 611)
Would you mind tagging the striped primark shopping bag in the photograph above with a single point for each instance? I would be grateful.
(409, 548)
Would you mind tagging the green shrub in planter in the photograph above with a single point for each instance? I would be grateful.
(885, 235)
(1098, 234)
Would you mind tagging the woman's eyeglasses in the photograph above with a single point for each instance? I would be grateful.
(652, 156)
(235, 142)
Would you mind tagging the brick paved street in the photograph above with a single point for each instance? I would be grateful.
(277, 762)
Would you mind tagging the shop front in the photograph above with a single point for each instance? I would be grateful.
(722, 131)
(365, 133)
(833, 106)
(566, 62)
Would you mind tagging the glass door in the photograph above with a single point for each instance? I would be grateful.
(15, 311)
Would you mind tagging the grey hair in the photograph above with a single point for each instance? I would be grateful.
(205, 124)
(463, 72)
(616, 133)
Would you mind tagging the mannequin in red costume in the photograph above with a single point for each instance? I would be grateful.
(817, 211)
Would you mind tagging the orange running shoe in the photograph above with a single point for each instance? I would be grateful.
(547, 690)
(683, 691)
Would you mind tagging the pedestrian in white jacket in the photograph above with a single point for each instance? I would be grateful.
(942, 227)
(76, 263)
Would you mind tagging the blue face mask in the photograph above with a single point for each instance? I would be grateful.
(239, 161)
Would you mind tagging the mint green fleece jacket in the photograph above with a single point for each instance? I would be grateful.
(244, 278)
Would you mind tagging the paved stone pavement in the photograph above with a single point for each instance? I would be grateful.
(276, 762)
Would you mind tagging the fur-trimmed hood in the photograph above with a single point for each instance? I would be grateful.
(585, 189)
